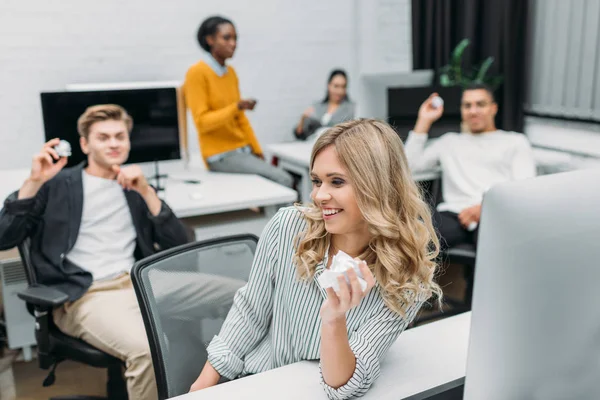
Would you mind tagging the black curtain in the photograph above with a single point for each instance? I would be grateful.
(497, 28)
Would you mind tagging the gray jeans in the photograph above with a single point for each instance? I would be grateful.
(241, 163)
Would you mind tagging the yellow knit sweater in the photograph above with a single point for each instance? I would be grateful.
(213, 99)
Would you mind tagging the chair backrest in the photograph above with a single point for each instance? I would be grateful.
(184, 295)
(25, 253)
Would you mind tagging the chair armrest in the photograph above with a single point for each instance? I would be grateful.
(43, 296)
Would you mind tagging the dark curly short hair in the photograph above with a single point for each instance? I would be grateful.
(209, 27)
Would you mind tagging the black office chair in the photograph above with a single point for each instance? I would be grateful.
(174, 290)
(53, 346)
(465, 255)
(462, 254)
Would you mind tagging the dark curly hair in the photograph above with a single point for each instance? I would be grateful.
(209, 27)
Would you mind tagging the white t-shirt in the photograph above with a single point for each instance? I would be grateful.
(471, 163)
(106, 240)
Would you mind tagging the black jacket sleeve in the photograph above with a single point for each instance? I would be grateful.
(18, 218)
(168, 231)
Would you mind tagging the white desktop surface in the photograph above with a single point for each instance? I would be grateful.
(424, 361)
(221, 192)
(298, 152)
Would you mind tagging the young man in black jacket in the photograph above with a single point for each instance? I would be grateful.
(88, 225)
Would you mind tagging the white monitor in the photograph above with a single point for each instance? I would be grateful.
(535, 330)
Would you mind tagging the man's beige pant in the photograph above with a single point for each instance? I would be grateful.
(108, 317)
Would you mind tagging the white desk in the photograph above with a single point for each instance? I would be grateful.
(424, 361)
(221, 192)
(219, 205)
(295, 157)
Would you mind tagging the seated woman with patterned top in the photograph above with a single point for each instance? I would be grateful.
(365, 204)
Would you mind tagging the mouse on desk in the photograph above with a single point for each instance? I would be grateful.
(196, 196)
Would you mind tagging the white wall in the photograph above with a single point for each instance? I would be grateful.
(564, 68)
(286, 49)
(384, 52)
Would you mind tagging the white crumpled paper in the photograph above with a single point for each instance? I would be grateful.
(341, 263)
(63, 148)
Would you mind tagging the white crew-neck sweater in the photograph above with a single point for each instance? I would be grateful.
(471, 163)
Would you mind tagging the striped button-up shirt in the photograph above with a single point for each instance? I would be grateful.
(275, 320)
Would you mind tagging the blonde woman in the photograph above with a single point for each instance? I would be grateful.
(366, 205)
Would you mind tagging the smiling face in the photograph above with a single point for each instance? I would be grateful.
(107, 143)
(334, 194)
(478, 110)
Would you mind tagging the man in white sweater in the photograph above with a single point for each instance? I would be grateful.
(471, 163)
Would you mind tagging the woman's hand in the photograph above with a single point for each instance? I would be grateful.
(350, 295)
(246, 104)
(208, 377)
(308, 112)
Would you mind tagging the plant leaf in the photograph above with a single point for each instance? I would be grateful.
(445, 80)
(485, 66)
(458, 51)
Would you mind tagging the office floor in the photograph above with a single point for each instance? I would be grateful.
(73, 378)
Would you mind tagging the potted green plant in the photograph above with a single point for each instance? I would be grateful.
(454, 74)
(453, 77)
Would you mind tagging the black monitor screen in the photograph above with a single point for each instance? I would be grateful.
(155, 134)
(404, 103)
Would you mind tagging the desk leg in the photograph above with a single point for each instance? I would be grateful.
(306, 187)
(27, 355)
(270, 211)
(305, 184)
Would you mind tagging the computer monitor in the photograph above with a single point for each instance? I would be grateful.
(156, 123)
(535, 330)
(403, 109)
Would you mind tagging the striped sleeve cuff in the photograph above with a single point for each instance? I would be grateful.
(223, 360)
(366, 372)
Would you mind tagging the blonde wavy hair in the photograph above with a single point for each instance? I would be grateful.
(403, 245)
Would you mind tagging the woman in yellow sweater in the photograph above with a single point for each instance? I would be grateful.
(211, 88)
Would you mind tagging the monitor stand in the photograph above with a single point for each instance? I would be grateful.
(157, 176)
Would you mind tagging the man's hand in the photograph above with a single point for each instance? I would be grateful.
(43, 168)
(470, 214)
(428, 115)
(131, 177)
